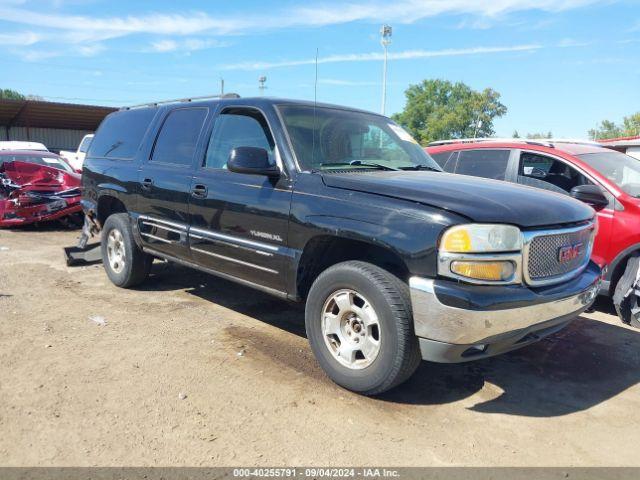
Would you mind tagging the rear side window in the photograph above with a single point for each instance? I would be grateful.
(178, 138)
(484, 163)
(121, 134)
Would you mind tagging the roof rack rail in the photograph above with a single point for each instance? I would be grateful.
(182, 100)
(576, 141)
(545, 142)
(530, 141)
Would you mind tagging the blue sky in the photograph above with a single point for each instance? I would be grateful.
(560, 65)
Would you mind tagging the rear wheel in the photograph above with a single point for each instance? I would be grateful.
(125, 263)
(359, 323)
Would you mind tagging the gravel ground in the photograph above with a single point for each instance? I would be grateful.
(192, 370)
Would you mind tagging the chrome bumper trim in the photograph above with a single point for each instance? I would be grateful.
(436, 321)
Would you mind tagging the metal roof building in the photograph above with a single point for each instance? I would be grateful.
(60, 126)
(628, 145)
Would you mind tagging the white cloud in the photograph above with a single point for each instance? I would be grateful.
(570, 43)
(87, 34)
(186, 45)
(90, 50)
(164, 46)
(377, 56)
(21, 39)
(402, 11)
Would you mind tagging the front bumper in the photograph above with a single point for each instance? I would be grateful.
(456, 322)
(13, 216)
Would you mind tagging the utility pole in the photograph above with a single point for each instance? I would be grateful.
(262, 86)
(385, 40)
(221, 87)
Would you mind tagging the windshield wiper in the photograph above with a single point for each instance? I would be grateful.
(421, 167)
(359, 163)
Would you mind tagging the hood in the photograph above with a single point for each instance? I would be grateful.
(479, 199)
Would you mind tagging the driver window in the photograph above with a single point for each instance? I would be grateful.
(238, 128)
(549, 174)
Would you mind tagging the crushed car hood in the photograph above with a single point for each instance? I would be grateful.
(35, 193)
(478, 199)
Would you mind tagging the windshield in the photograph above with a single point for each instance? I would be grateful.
(46, 160)
(329, 138)
(619, 168)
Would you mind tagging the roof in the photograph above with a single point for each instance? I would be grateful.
(39, 153)
(621, 141)
(573, 147)
(236, 100)
(22, 145)
(35, 113)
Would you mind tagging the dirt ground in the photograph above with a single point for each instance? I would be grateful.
(76, 393)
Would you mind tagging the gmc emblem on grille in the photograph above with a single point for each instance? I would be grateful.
(569, 252)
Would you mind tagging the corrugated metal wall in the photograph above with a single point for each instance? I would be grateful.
(54, 138)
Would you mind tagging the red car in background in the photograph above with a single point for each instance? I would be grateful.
(607, 180)
(35, 187)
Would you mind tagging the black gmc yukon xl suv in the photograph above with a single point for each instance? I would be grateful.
(341, 209)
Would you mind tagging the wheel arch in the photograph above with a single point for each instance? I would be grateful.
(107, 205)
(325, 250)
(618, 265)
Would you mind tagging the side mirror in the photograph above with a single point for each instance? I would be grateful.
(591, 195)
(251, 160)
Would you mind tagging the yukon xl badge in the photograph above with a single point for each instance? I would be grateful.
(569, 252)
(268, 236)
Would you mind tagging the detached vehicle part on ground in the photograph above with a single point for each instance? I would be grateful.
(37, 187)
(341, 209)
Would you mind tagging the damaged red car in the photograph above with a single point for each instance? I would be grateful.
(37, 187)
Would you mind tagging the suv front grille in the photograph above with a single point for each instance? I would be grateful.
(553, 256)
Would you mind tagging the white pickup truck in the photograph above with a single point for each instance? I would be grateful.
(76, 159)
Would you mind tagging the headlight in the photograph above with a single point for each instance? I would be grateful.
(480, 238)
(479, 253)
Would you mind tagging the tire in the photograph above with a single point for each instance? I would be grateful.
(625, 307)
(389, 352)
(125, 263)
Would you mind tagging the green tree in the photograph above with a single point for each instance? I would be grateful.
(606, 129)
(540, 135)
(441, 110)
(8, 94)
(516, 134)
(631, 125)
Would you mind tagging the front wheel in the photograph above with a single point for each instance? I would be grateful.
(359, 323)
(625, 297)
(125, 263)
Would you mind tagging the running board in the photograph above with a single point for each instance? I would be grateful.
(225, 276)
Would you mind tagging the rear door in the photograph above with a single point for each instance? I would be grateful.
(239, 222)
(165, 181)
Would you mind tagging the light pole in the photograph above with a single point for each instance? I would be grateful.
(385, 40)
(261, 87)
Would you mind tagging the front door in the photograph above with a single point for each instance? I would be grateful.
(165, 182)
(239, 222)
